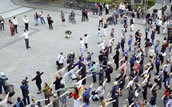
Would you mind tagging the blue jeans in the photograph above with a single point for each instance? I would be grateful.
(101, 77)
(42, 20)
(2, 85)
(165, 101)
(152, 105)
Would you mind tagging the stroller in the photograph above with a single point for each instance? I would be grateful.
(71, 18)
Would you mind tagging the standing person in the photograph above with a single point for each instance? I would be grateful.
(116, 59)
(60, 61)
(130, 39)
(122, 44)
(105, 28)
(57, 84)
(83, 72)
(83, 15)
(99, 36)
(26, 22)
(81, 46)
(11, 27)
(1, 23)
(26, 39)
(157, 63)
(50, 21)
(76, 97)
(15, 23)
(47, 93)
(152, 101)
(107, 9)
(147, 45)
(108, 72)
(3, 80)
(36, 18)
(158, 25)
(63, 17)
(86, 14)
(112, 33)
(38, 80)
(111, 41)
(95, 9)
(42, 17)
(146, 31)
(25, 91)
(86, 41)
(100, 20)
(153, 36)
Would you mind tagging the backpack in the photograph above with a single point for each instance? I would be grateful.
(10, 89)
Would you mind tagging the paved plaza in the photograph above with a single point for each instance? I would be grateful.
(17, 62)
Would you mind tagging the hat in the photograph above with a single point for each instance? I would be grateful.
(115, 83)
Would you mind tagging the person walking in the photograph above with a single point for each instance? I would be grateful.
(26, 22)
(116, 59)
(157, 63)
(38, 80)
(11, 27)
(15, 23)
(26, 37)
(41, 15)
(50, 21)
(36, 16)
(3, 80)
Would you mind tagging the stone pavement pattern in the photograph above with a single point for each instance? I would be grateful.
(17, 62)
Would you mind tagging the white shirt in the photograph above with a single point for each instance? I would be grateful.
(25, 20)
(41, 14)
(15, 22)
(81, 44)
(102, 45)
(130, 83)
(110, 42)
(86, 39)
(26, 35)
(61, 59)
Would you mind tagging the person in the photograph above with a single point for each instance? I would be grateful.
(25, 91)
(153, 36)
(169, 103)
(15, 23)
(36, 16)
(63, 17)
(38, 80)
(157, 63)
(3, 80)
(130, 39)
(26, 37)
(83, 72)
(116, 59)
(47, 93)
(60, 61)
(108, 72)
(50, 22)
(75, 94)
(99, 36)
(86, 94)
(1, 23)
(11, 27)
(56, 101)
(86, 41)
(81, 47)
(83, 14)
(26, 22)
(86, 15)
(100, 21)
(146, 31)
(19, 103)
(158, 24)
(57, 84)
(41, 15)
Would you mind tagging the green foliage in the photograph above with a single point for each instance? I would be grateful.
(99, 1)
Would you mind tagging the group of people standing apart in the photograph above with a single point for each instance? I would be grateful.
(142, 69)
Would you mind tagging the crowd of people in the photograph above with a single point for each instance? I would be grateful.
(142, 69)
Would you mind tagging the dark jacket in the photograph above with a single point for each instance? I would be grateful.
(38, 78)
(25, 90)
(57, 83)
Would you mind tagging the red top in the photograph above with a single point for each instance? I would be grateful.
(136, 68)
(166, 93)
(76, 96)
